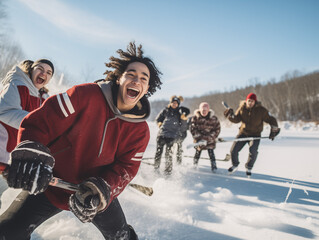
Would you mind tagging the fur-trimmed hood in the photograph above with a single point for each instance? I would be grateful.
(18, 77)
(252, 119)
(243, 104)
(210, 114)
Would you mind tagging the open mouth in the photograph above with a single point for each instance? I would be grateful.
(40, 80)
(132, 93)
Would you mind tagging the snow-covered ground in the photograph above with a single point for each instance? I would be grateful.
(280, 200)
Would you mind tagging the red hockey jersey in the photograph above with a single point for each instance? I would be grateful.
(88, 136)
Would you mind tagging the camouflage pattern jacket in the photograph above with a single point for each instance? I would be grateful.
(205, 128)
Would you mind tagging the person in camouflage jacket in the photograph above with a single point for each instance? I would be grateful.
(205, 126)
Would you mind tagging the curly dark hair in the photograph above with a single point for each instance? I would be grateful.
(133, 54)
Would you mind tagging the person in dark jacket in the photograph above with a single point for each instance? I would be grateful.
(169, 122)
(93, 135)
(252, 116)
(205, 126)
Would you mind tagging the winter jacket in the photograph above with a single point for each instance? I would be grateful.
(170, 120)
(185, 123)
(18, 97)
(183, 130)
(252, 119)
(205, 128)
(89, 137)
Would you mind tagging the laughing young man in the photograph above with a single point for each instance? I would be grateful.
(93, 135)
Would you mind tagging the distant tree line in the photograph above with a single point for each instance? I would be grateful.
(11, 52)
(295, 97)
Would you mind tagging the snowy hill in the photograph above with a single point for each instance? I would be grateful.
(280, 200)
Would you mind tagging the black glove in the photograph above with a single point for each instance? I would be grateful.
(184, 110)
(229, 112)
(92, 197)
(31, 167)
(274, 131)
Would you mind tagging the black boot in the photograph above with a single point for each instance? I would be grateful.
(214, 166)
(212, 159)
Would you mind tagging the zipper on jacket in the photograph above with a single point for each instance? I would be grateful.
(103, 138)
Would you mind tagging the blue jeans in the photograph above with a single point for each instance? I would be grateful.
(238, 146)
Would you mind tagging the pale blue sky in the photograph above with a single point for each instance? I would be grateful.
(200, 46)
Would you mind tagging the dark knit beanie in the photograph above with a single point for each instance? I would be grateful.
(176, 99)
(251, 96)
(46, 61)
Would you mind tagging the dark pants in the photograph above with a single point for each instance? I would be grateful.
(161, 142)
(238, 146)
(27, 212)
(179, 153)
(211, 155)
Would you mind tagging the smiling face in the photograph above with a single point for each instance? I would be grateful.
(41, 75)
(204, 109)
(250, 103)
(174, 104)
(133, 85)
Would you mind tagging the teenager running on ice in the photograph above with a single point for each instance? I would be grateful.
(205, 126)
(169, 122)
(93, 135)
(252, 116)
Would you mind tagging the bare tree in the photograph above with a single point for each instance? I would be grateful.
(10, 52)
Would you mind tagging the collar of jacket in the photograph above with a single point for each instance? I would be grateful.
(210, 114)
(106, 88)
(21, 78)
(243, 104)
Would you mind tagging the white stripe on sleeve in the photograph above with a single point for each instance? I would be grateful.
(140, 154)
(68, 102)
(61, 105)
(138, 157)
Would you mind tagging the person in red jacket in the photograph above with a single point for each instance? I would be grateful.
(93, 135)
(23, 91)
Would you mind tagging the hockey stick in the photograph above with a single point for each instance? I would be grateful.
(57, 182)
(221, 140)
(225, 105)
(147, 158)
(227, 158)
(198, 144)
(148, 163)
